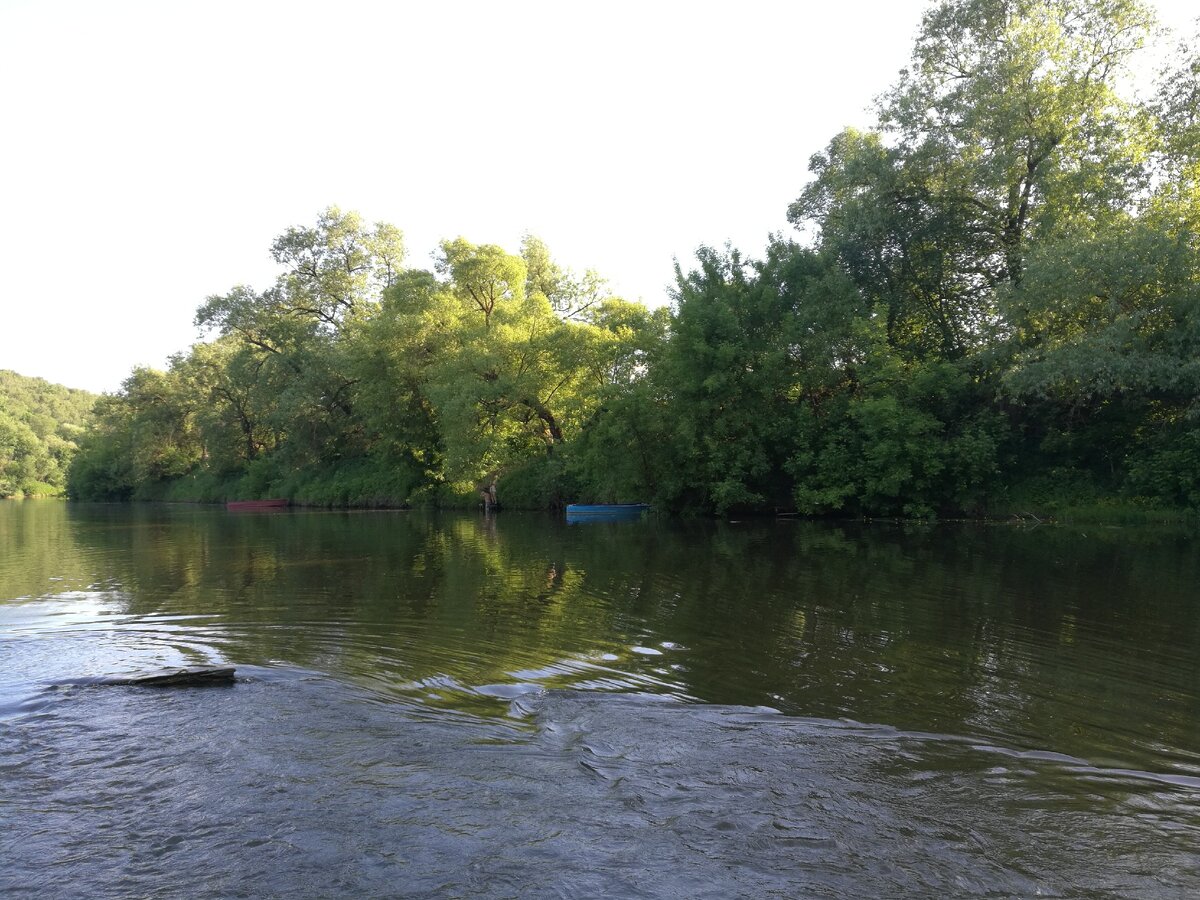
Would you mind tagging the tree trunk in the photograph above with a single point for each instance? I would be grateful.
(553, 432)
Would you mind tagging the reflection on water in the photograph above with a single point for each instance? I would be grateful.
(517, 708)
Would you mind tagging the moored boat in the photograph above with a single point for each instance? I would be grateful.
(249, 505)
(585, 512)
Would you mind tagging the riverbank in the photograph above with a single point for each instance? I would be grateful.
(353, 494)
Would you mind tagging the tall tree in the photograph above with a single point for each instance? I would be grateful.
(1012, 109)
(483, 277)
(338, 267)
(571, 296)
(1008, 124)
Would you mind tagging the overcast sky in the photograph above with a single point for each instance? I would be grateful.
(150, 152)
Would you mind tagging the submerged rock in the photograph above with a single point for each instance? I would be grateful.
(179, 677)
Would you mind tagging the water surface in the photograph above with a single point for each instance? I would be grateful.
(448, 705)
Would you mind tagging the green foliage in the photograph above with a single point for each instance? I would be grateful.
(997, 311)
(40, 427)
(728, 374)
(353, 381)
(911, 441)
(1005, 221)
(541, 483)
(1166, 465)
(630, 451)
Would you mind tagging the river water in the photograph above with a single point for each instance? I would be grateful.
(453, 706)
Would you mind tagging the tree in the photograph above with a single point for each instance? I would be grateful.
(482, 277)
(500, 380)
(1177, 114)
(337, 268)
(1111, 366)
(569, 295)
(911, 258)
(1007, 125)
(731, 372)
(298, 335)
(390, 358)
(1012, 108)
(235, 390)
(103, 468)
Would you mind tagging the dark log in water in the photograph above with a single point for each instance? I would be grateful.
(187, 676)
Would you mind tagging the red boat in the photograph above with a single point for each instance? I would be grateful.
(251, 505)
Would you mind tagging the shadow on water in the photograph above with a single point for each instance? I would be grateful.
(447, 705)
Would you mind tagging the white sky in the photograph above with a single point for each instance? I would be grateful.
(150, 152)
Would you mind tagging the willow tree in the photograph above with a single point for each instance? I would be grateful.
(570, 295)
(337, 268)
(478, 366)
(504, 373)
(297, 333)
(482, 277)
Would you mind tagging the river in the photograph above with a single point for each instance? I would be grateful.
(448, 705)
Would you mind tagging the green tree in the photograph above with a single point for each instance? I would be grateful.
(103, 468)
(570, 296)
(1012, 109)
(1007, 126)
(503, 384)
(40, 426)
(752, 345)
(483, 276)
(337, 268)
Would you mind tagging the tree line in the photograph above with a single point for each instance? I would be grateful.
(991, 302)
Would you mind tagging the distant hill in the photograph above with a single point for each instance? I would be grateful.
(40, 424)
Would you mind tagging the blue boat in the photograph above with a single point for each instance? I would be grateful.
(605, 512)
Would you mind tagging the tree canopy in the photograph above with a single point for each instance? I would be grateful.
(993, 304)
